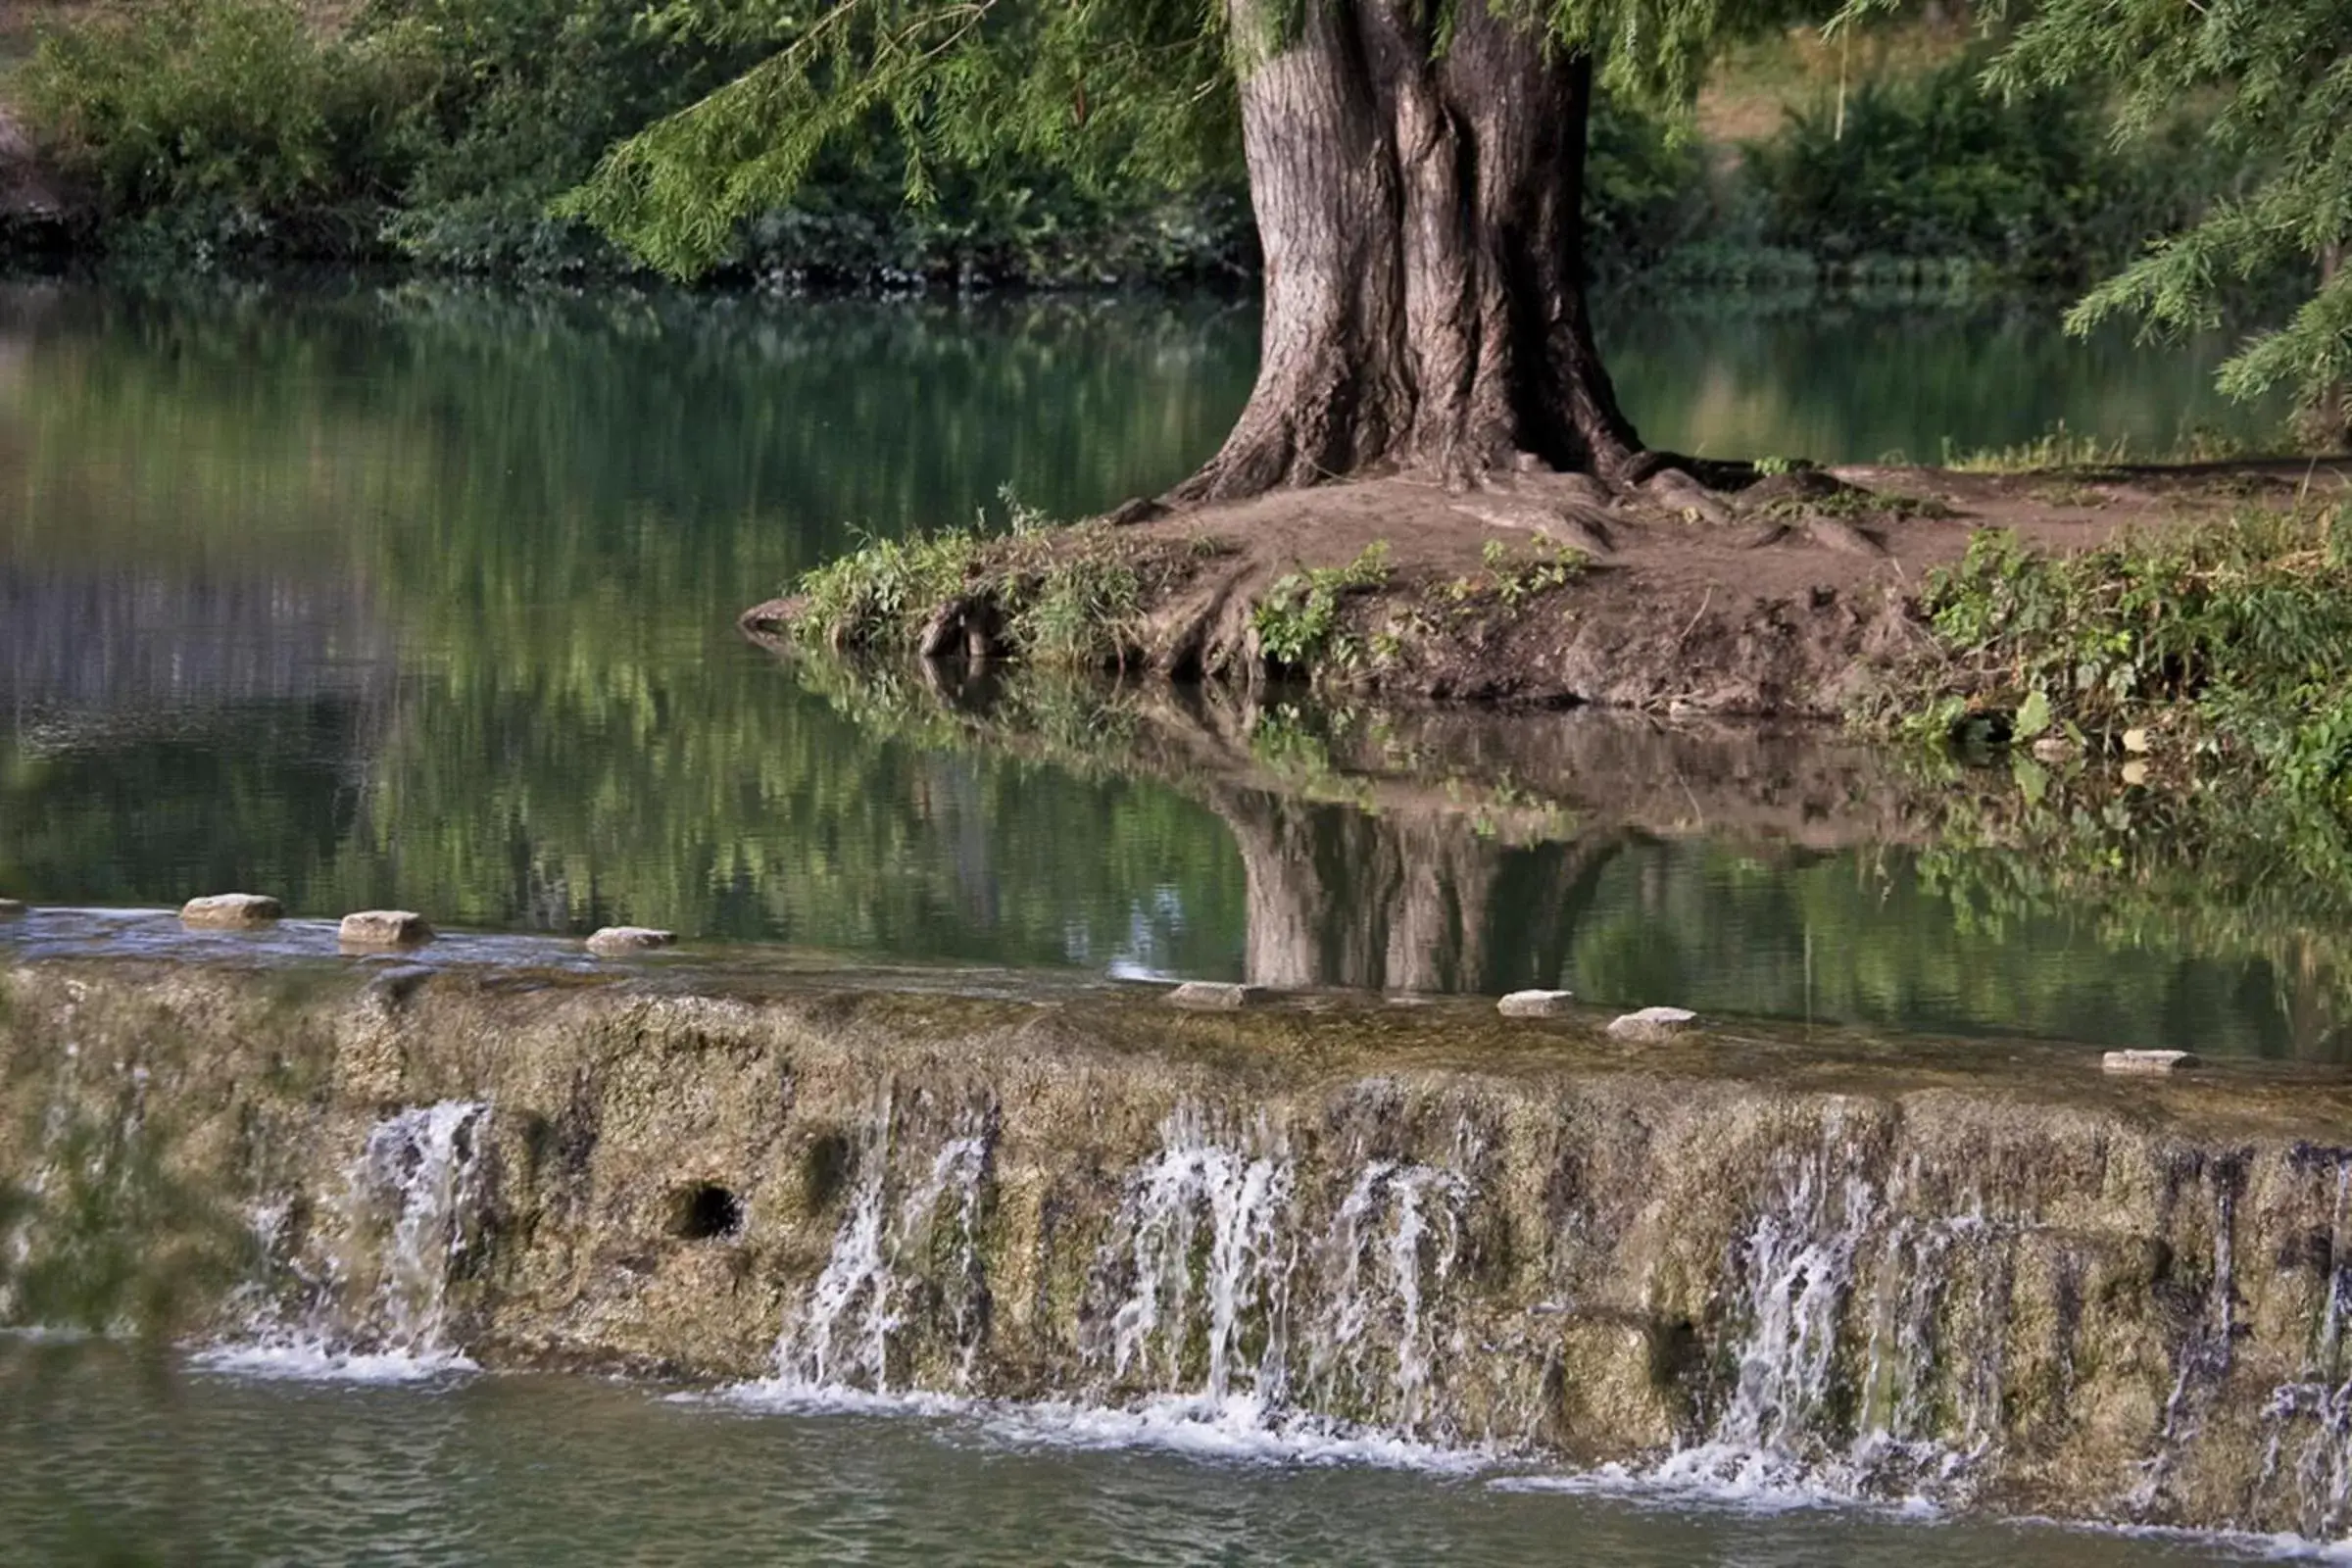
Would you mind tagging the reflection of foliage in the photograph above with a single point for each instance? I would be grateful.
(2252, 878)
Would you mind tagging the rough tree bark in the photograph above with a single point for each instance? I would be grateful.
(1421, 215)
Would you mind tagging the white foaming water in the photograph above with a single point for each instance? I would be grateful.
(839, 1337)
(1243, 1197)
(412, 1189)
(2309, 1447)
(1388, 1213)
(1192, 1324)
(1806, 1267)
(1237, 1429)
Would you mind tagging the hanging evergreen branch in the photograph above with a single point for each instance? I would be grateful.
(2275, 76)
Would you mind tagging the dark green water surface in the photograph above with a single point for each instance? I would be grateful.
(530, 1472)
(424, 600)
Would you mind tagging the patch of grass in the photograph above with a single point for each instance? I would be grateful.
(1298, 622)
(2054, 449)
(2218, 648)
(1081, 612)
(1068, 596)
(883, 591)
(1855, 502)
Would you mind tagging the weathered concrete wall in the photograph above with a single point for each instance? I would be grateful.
(1972, 1270)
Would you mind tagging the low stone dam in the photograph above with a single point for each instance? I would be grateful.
(1977, 1273)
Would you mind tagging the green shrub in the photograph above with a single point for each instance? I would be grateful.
(1298, 623)
(223, 105)
(1937, 167)
(2219, 647)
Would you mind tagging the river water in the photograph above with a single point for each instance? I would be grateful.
(424, 598)
(524, 1471)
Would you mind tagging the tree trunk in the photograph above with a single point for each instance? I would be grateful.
(1420, 210)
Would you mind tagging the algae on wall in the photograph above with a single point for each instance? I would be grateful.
(2041, 1292)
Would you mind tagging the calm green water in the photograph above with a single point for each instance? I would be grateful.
(97, 1467)
(424, 599)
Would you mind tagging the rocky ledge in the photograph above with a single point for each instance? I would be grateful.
(1988, 1273)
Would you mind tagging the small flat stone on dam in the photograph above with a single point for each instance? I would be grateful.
(10, 907)
(618, 940)
(384, 928)
(1652, 1023)
(1214, 995)
(231, 912)
(2149, 1063)
(1535, 1004)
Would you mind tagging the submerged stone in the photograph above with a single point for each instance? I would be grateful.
(2147, 1061)
(1214, 995)
(231, 912)
(615, 941)
(1652, 1023)
(1535, 1004)
(384, 928)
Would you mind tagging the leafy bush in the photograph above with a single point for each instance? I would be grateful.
(1644, 194)
(227, 106)
(1298, 623)
(2217, 647)
(1937, 167)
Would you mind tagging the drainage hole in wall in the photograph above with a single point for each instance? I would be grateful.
(705, 1212)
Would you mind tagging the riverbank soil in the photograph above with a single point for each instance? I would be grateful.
(1791, 597)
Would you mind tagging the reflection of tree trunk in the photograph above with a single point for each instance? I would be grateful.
(1339, 897)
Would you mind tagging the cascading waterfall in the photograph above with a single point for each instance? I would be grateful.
(377, 1300)
(1192, 1299)
(841, 1334)
(1220, 1290)
(1403, 1221)
(2309, 1447)
(1835, 1264)
(1243, 1197)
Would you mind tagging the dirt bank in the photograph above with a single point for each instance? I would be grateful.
(1784, 598)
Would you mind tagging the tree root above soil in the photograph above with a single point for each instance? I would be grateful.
(1789, 596)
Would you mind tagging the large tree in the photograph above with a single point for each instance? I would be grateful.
(1416, 168)
(1417, 172)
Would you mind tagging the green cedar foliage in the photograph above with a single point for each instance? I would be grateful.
(2278, 78)
(1107, 90)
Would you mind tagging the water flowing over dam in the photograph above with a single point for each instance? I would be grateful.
(1980, 1275)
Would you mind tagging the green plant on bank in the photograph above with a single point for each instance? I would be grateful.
(1298, 622)
(228, 116)
(2058, 449)
(1511, 580)
(1938, 165)
(1068, 596)
(2055, 447)
(2218, 648)
(883, 591)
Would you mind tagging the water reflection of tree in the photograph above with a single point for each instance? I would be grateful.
(1340, 897)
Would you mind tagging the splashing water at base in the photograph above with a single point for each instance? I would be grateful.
(375, 1308)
